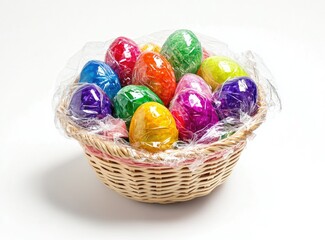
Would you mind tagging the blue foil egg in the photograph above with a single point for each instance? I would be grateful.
(102, 75)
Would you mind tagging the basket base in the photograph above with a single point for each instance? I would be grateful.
(163, 184)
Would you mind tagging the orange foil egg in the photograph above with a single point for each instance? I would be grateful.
(154, 71)
(152, 128)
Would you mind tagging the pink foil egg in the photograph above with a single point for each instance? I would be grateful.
(195, 82)
(115, 128)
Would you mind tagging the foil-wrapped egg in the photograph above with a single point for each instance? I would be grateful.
(129, 98)
(102, 75)
(155, 72)
(89, 102)
(236, 97)
(195, 82)
(183, 50)
(121, 56)
(216, 70)
(194, 114)
(150, 47)
(152, 128)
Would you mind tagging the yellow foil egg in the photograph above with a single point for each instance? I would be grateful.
(152, 128)
(215, 70)
(150, 47)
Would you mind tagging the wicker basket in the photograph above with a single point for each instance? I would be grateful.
(152, 182)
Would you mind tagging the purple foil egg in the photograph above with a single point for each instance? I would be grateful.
(89, 102)
(194, 114)
(235, 97)
(195, 82)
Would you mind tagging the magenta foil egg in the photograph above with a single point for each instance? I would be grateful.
(194, 114)
(194, 82)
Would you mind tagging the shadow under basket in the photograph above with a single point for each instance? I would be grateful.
(135, 175)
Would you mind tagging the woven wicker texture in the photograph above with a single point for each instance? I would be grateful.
(163, 185)
(134, 174)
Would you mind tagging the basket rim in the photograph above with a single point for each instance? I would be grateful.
(121, 150)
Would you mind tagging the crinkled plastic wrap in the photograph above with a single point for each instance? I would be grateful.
(205, 105)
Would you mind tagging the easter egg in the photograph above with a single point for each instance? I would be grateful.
(102, 75)
(155, 72)
(114, 128)
(152, 128)
(89, 101)
(121, 56)
(216, 70)
(183, 50)
(194, 114)
(150, 47)
(226, 135)
(129, 98)
(235, 97)
(195, 82)
(206, 54)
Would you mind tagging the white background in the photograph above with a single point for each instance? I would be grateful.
(48, 190)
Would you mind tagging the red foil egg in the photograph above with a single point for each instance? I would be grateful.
(121, 57)
(154, 71)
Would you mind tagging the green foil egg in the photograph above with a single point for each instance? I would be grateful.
(129, 98)
(183, 50)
